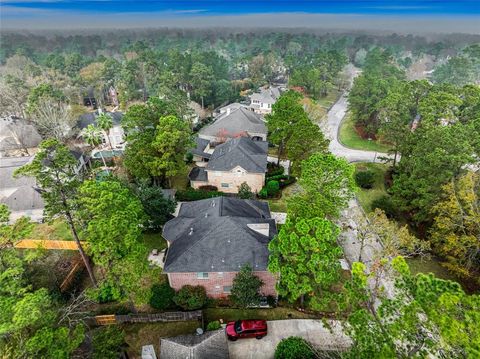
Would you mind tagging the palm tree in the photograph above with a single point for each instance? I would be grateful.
(105, 122)
(92, 135)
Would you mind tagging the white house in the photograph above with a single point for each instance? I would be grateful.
(261, 102)
(116, 133)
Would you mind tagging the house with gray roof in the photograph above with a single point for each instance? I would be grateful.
(228, 165)
(21, 194)
(212, 239)
(18, 137)
(233, 123)
(210, 345)
(261, 102)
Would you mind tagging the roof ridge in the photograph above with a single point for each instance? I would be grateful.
(250, 156)
(190, 247)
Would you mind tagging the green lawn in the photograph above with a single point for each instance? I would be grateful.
(140, 334)
(367, 196)
(348, 137)
(280, 204)
(154, 241)
(57, 230)
(429, 265)
(230, 314)
(330, 99)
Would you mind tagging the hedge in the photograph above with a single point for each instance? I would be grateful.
(283, 180)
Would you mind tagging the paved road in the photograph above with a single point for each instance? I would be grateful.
(335, 117)
(310, 329)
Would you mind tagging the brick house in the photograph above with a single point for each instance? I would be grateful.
(228, 165)
(234, 122)
(212, 239)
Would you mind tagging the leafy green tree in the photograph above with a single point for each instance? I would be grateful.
(427, 316)
(157, 207)
(107, 342)
(29, 320)
(292, 131)
(456, 226)
(202, 80)
(161, 296)
(294, 348)
(327, 185)
(113, 218)
(245, 192)
(306, 256)
(93, 136)
(431, 157)
(105, 123)
(191, 297)
(41, 93)
(148, 146)
(246, 288)
(54, 170)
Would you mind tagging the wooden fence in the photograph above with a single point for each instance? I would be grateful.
(77, 266)
(148, 318)
(47, 244)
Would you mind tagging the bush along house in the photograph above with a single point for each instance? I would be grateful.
(212, 239)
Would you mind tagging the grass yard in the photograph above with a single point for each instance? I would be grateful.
(139, 334)
(367, 196)
(348, 137)
(230, 314)
(330, 99)
(154, 241)
(429, 265)
(57, 230)
(280, 204)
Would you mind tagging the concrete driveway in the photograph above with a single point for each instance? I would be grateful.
(309, 329)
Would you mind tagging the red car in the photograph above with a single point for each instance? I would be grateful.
(246, 329)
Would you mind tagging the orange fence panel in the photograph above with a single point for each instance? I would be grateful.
(47, 244)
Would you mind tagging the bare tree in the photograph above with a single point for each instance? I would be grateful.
(53, 119)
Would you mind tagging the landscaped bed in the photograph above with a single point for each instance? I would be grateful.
(378, 190)
(349, 137)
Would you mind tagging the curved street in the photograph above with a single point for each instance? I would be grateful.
(335, 117)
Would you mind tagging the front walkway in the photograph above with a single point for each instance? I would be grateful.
(310, 329)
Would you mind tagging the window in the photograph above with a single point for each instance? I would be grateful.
(225, 185)
(220, 274)
(227, 289)
(202, 275)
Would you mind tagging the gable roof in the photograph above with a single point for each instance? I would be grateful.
(242, 151)
(210, 345)
(17, 133)
(213, 235)
(268, 95)
(236, 122)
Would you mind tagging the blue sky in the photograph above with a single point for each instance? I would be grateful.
(228, 7)
(70, 13)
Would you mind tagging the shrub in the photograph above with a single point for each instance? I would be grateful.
(161, 296)
(106, 293)
(246, 287)
(271, 301)
(294, 348)
(365, 179)
(244, 191)
(189, 157)
(283, 180)
(191, 297)
(273, 169)
(263, 193)
(107, 342)
(385, 203)
(273, 187)
(208, 188)
(193, 195)
(214, 325)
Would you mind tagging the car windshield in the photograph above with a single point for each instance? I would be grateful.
(238, 326)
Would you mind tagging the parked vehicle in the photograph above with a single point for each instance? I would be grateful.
(246, 329)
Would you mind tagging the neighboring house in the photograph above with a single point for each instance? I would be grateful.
(18, 137)
(261, 102)
(210, 345)
(230, 164)
(212, 239)
(19, 194)
(116, 133)
(229, 108)
(234, 123)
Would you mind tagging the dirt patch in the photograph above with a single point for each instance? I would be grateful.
(360, 130)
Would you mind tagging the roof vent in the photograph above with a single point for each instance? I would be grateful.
(206, 215)
(213, 203)
(191, 231)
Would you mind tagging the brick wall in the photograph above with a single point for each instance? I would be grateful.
(218, 280)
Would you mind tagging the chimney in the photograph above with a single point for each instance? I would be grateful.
(228, 111)
(191, 231)
(262, 228)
